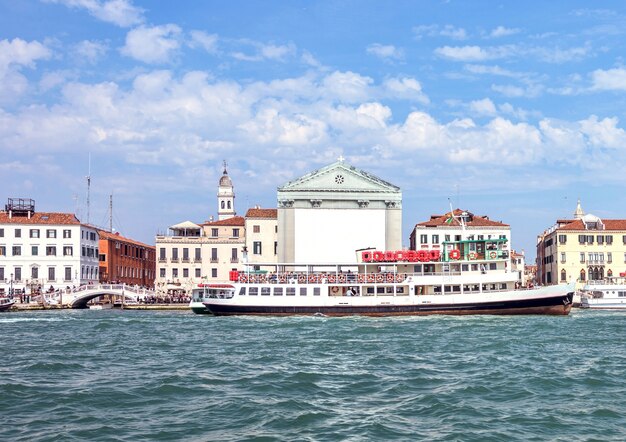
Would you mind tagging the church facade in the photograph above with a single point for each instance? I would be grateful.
(327, 215)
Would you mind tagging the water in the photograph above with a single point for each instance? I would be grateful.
(131, 375)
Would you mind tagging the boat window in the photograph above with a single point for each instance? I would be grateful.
(447, 289)
(474, 267)
(437, 289)
(278, 291)
(390, 290)
(302, 291)
(316, 291)
(265, 291)
(417, 268)
(456, 288)
(503, 286)
(493, 266)
(464, 267)
(242, 291)
(399, 289)
(253, 291)
(622, 294)
(370, 290)
(291, 291)
(492, 287)
(380, 290)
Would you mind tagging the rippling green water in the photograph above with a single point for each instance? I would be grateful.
(126, 375)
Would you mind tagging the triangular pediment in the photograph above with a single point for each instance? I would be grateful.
(339, 177)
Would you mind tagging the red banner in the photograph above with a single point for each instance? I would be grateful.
(401, 256)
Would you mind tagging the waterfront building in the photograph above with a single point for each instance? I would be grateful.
(461, 225)
(583, 248)
(193, 253)
(328, 214)
(123, 260)
(518, 264)
(261, 235)
(40, 250)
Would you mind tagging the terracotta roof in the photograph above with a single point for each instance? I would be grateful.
(117, 237)
(475, 220)
(609, 224)
(234, 221)
(262, 213)
(39, 218)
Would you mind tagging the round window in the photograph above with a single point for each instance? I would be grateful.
(339, 179)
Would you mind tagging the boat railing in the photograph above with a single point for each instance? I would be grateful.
(337, 278)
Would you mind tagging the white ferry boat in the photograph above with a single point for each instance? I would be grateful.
(606, 294)
(465, 277)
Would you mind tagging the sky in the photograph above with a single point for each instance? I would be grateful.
(508, 109)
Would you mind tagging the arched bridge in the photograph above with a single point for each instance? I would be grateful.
(80, 296)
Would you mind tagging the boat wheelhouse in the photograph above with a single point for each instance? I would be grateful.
(607, 294)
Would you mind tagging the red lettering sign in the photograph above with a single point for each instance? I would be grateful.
(401, 256)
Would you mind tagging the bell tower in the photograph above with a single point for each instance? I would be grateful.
(225, 197)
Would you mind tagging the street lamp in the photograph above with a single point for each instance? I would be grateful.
(11, 286)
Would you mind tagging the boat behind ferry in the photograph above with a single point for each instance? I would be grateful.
(6, 304)
(468, 277)
(607, 294)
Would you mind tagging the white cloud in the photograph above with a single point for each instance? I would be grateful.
(119, 12)
(483, 107)
(448, 31)
(610, 79)
(200, 39)
(265, 52)
(14, 56)
(405, 88)
(152, 45)
(603, 133)
(91, 51)
(464, 53)
(348, 86)
(385, 52)
(501, 31)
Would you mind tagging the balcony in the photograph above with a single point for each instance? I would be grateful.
(234, 260)
(214, 260)
(197, 260)
(185, 260)
(162, 260)
(174, 260)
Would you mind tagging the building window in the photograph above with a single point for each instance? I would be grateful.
(214, 254)
(423, 239)
(174, 273)
(18, 273)
(198, 273)
(162, 273)
(583, 275)
(214, 273)
(162, 253)
(562, 239)
(2, 236)
(34, 272)
(256, 229)
(275, 247)
(185, 273)
(235, 233)
(582, 257)
(435, 239)
(68, 273)
(563, 275)
(68, 251)
(175, 253)
(185, 254)
(51, 251)
(198, 256)
(214, 233)
(17, 250)
(600, 239)
(34, 250)
(257, 247)
(233, 255)
(583, 238)
(562, 257)
(590, 239)
(34, 233)
(51, 275)
(51, 233)
(609, 239)
(609, 257)
(67, 233)
(18, 233)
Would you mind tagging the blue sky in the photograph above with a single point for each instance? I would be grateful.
(511, 109)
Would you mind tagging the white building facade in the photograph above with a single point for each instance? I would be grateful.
(328, 214)
(39, 250)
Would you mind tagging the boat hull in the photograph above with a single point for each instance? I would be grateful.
(555, 305)
(6, 307)
(198, 308)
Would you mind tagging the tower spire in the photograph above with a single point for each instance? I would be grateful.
(579, 213)
(225, 196)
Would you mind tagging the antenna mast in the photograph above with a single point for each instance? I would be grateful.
(88, 187)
